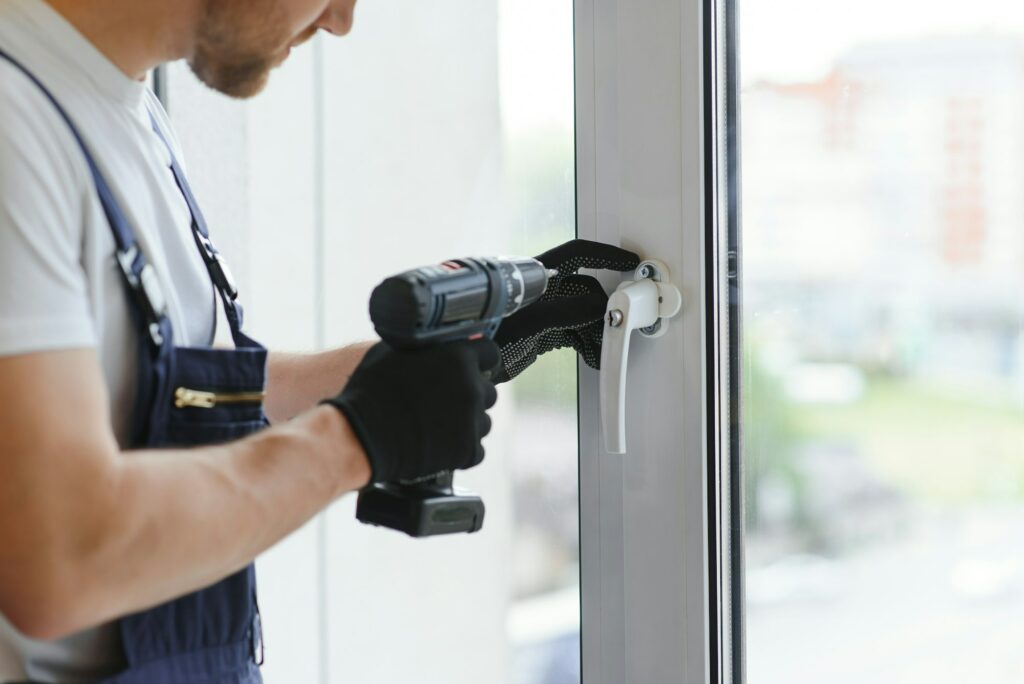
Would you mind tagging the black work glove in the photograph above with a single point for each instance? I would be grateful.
(571, 312)
(420, 412)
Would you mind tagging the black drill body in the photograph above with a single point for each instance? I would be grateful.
(462, 299)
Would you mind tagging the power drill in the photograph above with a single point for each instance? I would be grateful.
(461, 299)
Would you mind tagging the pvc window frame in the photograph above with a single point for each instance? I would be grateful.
(660, 530)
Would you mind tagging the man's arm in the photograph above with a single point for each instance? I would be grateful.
(88, 533)
(297, 382)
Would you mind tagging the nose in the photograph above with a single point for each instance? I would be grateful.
(337, 18)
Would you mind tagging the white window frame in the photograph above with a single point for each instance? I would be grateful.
(651, 168)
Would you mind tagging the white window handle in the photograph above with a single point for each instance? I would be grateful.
(645, 304)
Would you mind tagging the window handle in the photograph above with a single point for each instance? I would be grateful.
(645, 304)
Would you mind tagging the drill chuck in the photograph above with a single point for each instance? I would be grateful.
(457, 299)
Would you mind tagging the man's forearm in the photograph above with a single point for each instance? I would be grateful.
(297, 382)
(173, 521)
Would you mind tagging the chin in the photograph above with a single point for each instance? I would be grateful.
(237, 81)
(243, 91)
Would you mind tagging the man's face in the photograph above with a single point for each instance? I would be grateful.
(240, 41)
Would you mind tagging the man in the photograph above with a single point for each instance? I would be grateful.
(137, 481)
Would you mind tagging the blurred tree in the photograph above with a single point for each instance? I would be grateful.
(769, 443)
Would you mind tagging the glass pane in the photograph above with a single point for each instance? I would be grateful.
(448, 131)
(884, 325)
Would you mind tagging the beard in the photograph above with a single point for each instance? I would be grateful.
(239, 43)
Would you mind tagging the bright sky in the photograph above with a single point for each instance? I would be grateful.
(794, 40)
(780, 40)
(536, 52)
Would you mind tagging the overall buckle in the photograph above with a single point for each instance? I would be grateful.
(222, 276)
(146, 290)
(219, 271)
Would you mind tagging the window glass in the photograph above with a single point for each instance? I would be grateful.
(883, 238)
(434, 131)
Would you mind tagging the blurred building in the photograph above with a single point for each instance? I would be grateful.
(886, 199)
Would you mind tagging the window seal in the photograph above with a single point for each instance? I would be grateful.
(723, 342)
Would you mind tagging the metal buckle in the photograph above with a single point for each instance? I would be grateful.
(153, 291)
(147, 291)
(219, 270)
(256, 638)
(222, 276)
(155, 334)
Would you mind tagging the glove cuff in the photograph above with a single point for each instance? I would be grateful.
(378, 471)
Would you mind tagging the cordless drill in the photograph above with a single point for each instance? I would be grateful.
(462, 299)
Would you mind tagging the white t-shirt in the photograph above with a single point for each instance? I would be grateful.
(59, 288)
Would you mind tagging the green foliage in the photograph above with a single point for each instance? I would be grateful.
(542, 186)
(934, 443)
(550, 383)
(769, 439)
(540, 168)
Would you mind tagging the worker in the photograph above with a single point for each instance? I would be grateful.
(142, 468)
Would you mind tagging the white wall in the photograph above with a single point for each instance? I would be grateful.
(412, 170)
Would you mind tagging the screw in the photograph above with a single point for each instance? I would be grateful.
(615, 318)
(645, 271)
(651, 329)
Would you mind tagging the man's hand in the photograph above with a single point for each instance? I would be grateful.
(422, 411)
(571, 312)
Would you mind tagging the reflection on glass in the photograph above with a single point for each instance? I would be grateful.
(884, 360)
(537, 97)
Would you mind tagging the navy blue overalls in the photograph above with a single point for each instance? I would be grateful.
(186, 396)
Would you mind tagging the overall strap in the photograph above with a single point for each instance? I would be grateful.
(138, 274)
(219, 272)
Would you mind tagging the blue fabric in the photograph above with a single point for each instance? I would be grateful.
(211, 636)
(211, 257)
(219, 665)
(209, 370)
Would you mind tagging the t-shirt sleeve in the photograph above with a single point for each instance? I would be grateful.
(44, 298)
